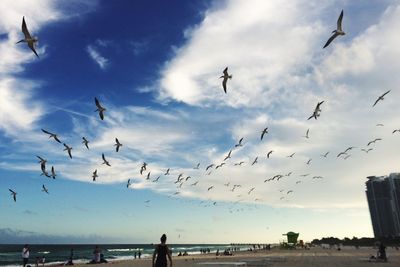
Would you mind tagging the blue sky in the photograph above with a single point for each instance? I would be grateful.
(156, 68)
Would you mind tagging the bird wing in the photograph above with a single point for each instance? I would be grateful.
(339, 21)
(47, 132)
(225, 71)
(11, 191)
(376, 101)
(386, 93)
(25, 29)
(97, 103)
(32, 47)
(43, 166)
(224, 84)
(101, 114)
(56, 138)
(104, 158)
(331, 39)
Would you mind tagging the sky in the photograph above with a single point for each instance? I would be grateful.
(156, 69)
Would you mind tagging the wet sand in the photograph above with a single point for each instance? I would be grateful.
(282, 258)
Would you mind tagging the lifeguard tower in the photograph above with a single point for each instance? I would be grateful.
(291, 240)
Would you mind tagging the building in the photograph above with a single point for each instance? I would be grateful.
(383, 195)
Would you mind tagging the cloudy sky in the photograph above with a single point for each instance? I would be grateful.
(155, 68)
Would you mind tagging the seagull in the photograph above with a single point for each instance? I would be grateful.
(240, 142)
(179, 176)
(197, 166)
(104, 160)
(289, 173)
(306, 136)
(380, 98)
(44, 172)
(229, 155)
(194, 184)
(220, 165)
(227, 184)
(349, 148)
(396, 130)
(129, 183)
(68, 148)
(269, 153)
(298, 182)
(255, 161)
(14, 194)
(209, 166)
(167, 172)
(305, 175)
(143, 168)
(251, 190)
(291, 155)
(117, 145)
(53, 172)
(347, 157)
(52, 135)
(28, 38)
(44, 189)
(85, 142)
(317, 111)
(226, 76)
(341, 153)
(290, 191)
(100, 109)
(376, 139)
(324, 155)
(318, 177)
(379, 124)
(338, 30)
(211, 187)
(263, 132)
(367, 150)
(308, 162)
(156, 180)
(239, 164)
(187, 178)
(148, 176)
(94, 175)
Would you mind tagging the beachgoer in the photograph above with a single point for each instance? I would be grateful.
(135, 255)
(139, 254)
(382, 252)
(42, 261)
(37, 262)
(96, 254)
(162, 251)
(25, 255)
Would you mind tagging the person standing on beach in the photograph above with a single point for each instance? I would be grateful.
(25, 255)
(162, 251)
(96, 253)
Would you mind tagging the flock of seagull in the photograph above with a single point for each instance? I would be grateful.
(182, 178)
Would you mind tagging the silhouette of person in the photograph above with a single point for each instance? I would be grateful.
(25, 255)
(162, 251)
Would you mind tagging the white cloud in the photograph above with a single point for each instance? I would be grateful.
(95, 55)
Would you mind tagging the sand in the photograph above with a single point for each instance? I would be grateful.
(301, 258)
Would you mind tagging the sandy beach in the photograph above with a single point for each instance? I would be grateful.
(285, 258)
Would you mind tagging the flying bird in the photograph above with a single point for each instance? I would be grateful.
(104, 160)
(309, 161)
(68, 149)
(367, 150)
(229, 155)
(129, 183)
(94, 175)
(263, 132)
(31, 41)
(255, 161)
(144, 166)
(269, 153)
(240, 142)
(396, 130)
(290, 191)
(194, 184)
(306, 136)
(211, 187)
(338, 30)
(225, 77)
(373, 141)
(52, 135)
(291, 155)
(197, 166)
(85, 142)
(317, 111)
(349, 148)
(324, 155)
(14, 194)
(44, 189)
(156, 180)
(53, 172)
(380, 98)
(117, 144)
(341, 153)
(220, 165)
(209, 166)
(239, 164)
(379, 124)
(348, 156)
(167, 172)
(41, 160)
(100, 109)
(148, 176)
(251, 190)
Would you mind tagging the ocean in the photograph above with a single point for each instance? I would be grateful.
(10, 255)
